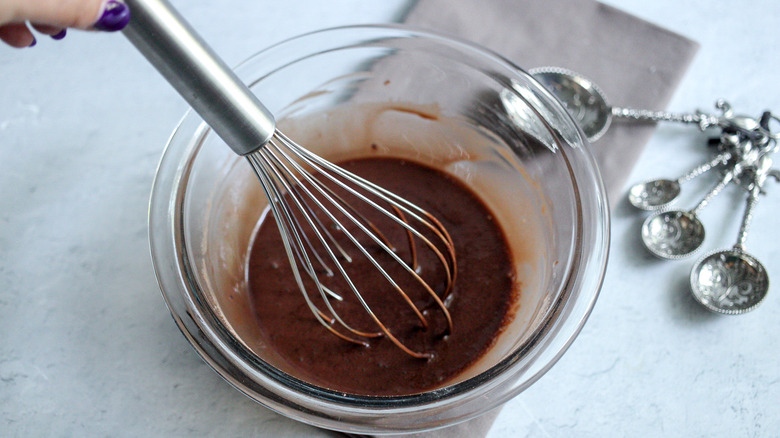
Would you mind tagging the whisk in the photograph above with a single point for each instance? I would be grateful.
(321, 210)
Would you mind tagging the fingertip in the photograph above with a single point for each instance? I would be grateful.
(114, 16)
(60, 35)
(17, 35)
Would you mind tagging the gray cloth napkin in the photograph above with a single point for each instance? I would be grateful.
(637, 64)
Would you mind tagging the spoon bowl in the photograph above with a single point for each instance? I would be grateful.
(729, 282)
(673, 234)
(582, 98)
(654, 195)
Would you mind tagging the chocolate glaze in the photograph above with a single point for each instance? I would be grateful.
(483, 294)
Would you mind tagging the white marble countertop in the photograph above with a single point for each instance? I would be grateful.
(88, 348)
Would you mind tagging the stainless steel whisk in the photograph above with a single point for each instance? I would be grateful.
(293, 179)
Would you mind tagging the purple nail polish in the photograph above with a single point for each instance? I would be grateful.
(115, 17)
(33, 43)
(60, 35)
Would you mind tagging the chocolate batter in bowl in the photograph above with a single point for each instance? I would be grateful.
(389, 93)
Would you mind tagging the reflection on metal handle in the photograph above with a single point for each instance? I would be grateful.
(199, 75)
(716, 190)
(703, 120)
(706, 167)
(747, 217)
(762, 171)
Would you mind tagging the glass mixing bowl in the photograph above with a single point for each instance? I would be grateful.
(435, 100)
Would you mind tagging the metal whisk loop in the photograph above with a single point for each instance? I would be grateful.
(396, 202)
(341, 270)
(283, 174)
(340, 205)
(321, 189)
(414, 211)
(280, 166)
(291, 237)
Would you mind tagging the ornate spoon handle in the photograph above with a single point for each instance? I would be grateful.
(762, 173)
(706, 167)
(703, 120)
(747, 217)
(727, 178)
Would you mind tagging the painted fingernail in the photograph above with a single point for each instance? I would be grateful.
(33, 43)
(60, 35)
(115, 17)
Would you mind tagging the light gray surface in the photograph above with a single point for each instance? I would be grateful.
(87, 347)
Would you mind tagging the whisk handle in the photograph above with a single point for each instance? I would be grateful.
(170, 44)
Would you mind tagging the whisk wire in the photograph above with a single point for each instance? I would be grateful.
(286, 170)
(414, 211)
(283, 172)
(336, 203)
(279, 211)
(342, 206)
(272, 166)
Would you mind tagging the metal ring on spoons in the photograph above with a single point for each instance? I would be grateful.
(732, 281)
(767, 144)
(660, 193)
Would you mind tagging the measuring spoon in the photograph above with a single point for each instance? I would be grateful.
(659, 193)
(732, 281)
(676, 234)
(589, 106)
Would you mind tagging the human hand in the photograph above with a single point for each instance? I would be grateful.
(53, 17)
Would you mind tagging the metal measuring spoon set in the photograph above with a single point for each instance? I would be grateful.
(728, 281)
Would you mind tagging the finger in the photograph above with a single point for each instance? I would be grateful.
(46, 29)
(17, 35)
(58, 13)
(56, 33)
(114, 16)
